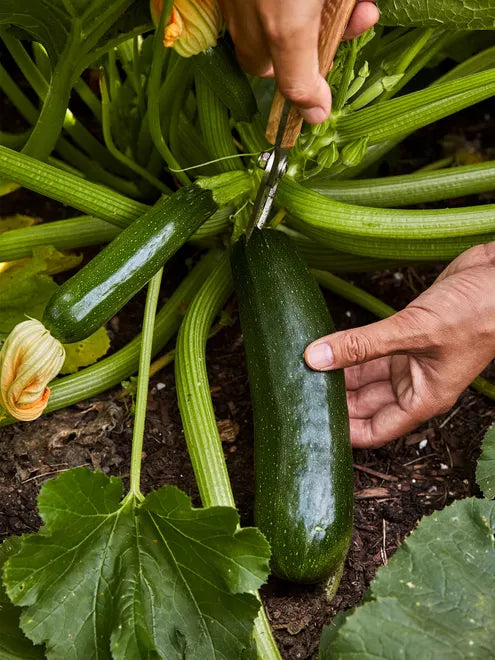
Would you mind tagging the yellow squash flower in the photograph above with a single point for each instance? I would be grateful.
(30, 358)
(193, 26)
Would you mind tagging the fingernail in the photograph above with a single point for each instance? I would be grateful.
(315, 115)
(319, 356)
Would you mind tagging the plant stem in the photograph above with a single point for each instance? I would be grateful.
(154, 83)
(142, 384)
(382, 310)
(88, 197)
(125, 160)
(408, 189)
(49, 125)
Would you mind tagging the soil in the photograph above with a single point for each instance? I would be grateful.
(394, 486)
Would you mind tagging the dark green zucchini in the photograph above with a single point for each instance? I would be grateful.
(224, 76)
(303, 461)
(98, 291)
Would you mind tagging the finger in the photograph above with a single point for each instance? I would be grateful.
(293, 41)
(387, 424)
(248, 36)
(368, 400)
(408, 330)
(369, 372)
(364, 16)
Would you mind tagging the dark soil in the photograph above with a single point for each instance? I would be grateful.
(394, 486)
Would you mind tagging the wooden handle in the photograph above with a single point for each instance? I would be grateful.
(334, 19)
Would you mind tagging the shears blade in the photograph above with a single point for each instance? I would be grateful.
(274, 164)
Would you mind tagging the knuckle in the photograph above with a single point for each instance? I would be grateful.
(355, 348)
(298, 94)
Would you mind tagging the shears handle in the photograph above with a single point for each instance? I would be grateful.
(334, 19)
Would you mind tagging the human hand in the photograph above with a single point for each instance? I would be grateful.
(412, 366)
(280, 38)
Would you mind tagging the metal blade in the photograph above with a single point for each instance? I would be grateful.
(275, 165)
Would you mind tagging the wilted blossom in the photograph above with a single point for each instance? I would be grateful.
(30, 358)
(193, 26)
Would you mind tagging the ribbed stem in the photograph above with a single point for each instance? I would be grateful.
(215, 127)
(409, 189)
(113, 370)
(69, 189)
(396, 117)
(325, 214)
(382, 310)
(198, 416)
(67, 234)
(193, 392)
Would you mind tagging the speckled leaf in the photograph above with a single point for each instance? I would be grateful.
(454, 14)
(13, 643)
(434, 600)
(485, 471)
(156, 579)
(85, 352)
(26, 285)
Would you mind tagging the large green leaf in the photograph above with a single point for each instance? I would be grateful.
(434, 600)
(485, 471)
(27, 286)
(455, 14)
(156, 579)
(13, 643)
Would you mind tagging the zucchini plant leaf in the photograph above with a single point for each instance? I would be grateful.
(485, 471)
(26, 285)
(454, 14)
(13, 643)
(434, 599)
(129, 580)
(85, 352)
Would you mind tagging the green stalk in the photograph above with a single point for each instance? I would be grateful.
(382, 310)
(198, 417)
(49, 125)
(79, 160)
(409, 189)
(110, 144)
(215, 126)
(326, 258)
(327, 215)
(112, 370)
(475, 64)
(142, 385)
(159, 56)
(14, 140)
(69, 189)
(193, 393)
(86, 94)
(79, 133)
(347, 76)
(396, 117)
(67, 234)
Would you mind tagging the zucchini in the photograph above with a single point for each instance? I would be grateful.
(98, 291)
(303, 460)
(219, 67)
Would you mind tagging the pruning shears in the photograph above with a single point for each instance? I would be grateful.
(284, 122)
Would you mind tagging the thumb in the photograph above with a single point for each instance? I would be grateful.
(399, 333)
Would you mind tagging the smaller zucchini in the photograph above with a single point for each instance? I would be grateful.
(99, 290)
(225, 77)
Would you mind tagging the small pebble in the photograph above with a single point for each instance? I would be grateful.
(160, 386)
(423, 443)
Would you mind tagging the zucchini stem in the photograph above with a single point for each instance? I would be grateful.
(142, 384)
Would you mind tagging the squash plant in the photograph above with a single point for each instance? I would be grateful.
(132, 576)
